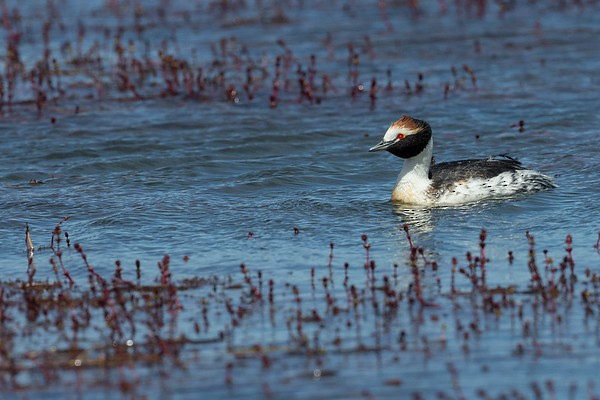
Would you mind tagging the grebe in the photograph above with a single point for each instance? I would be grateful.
(456, 182)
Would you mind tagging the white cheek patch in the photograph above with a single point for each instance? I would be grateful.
(393, 132)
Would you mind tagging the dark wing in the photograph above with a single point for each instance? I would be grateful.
(464, 169)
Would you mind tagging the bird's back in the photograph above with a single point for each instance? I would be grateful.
(476, 168)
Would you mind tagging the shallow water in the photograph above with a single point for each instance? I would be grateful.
(226, 183)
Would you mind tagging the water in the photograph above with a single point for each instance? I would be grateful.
(225, 183)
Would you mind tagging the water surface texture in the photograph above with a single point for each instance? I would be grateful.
(238, 132)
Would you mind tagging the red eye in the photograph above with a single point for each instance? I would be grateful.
(401, 136)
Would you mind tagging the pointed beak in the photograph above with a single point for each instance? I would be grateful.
(383, 145)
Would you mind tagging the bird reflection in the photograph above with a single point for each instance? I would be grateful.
(417, 218)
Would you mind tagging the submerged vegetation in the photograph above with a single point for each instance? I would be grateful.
(61, 60)
(118, 333)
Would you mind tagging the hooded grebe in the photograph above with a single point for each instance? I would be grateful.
(422, 183)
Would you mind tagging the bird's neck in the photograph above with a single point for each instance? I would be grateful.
(417, 167)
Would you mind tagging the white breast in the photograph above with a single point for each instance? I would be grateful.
(411, 193)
